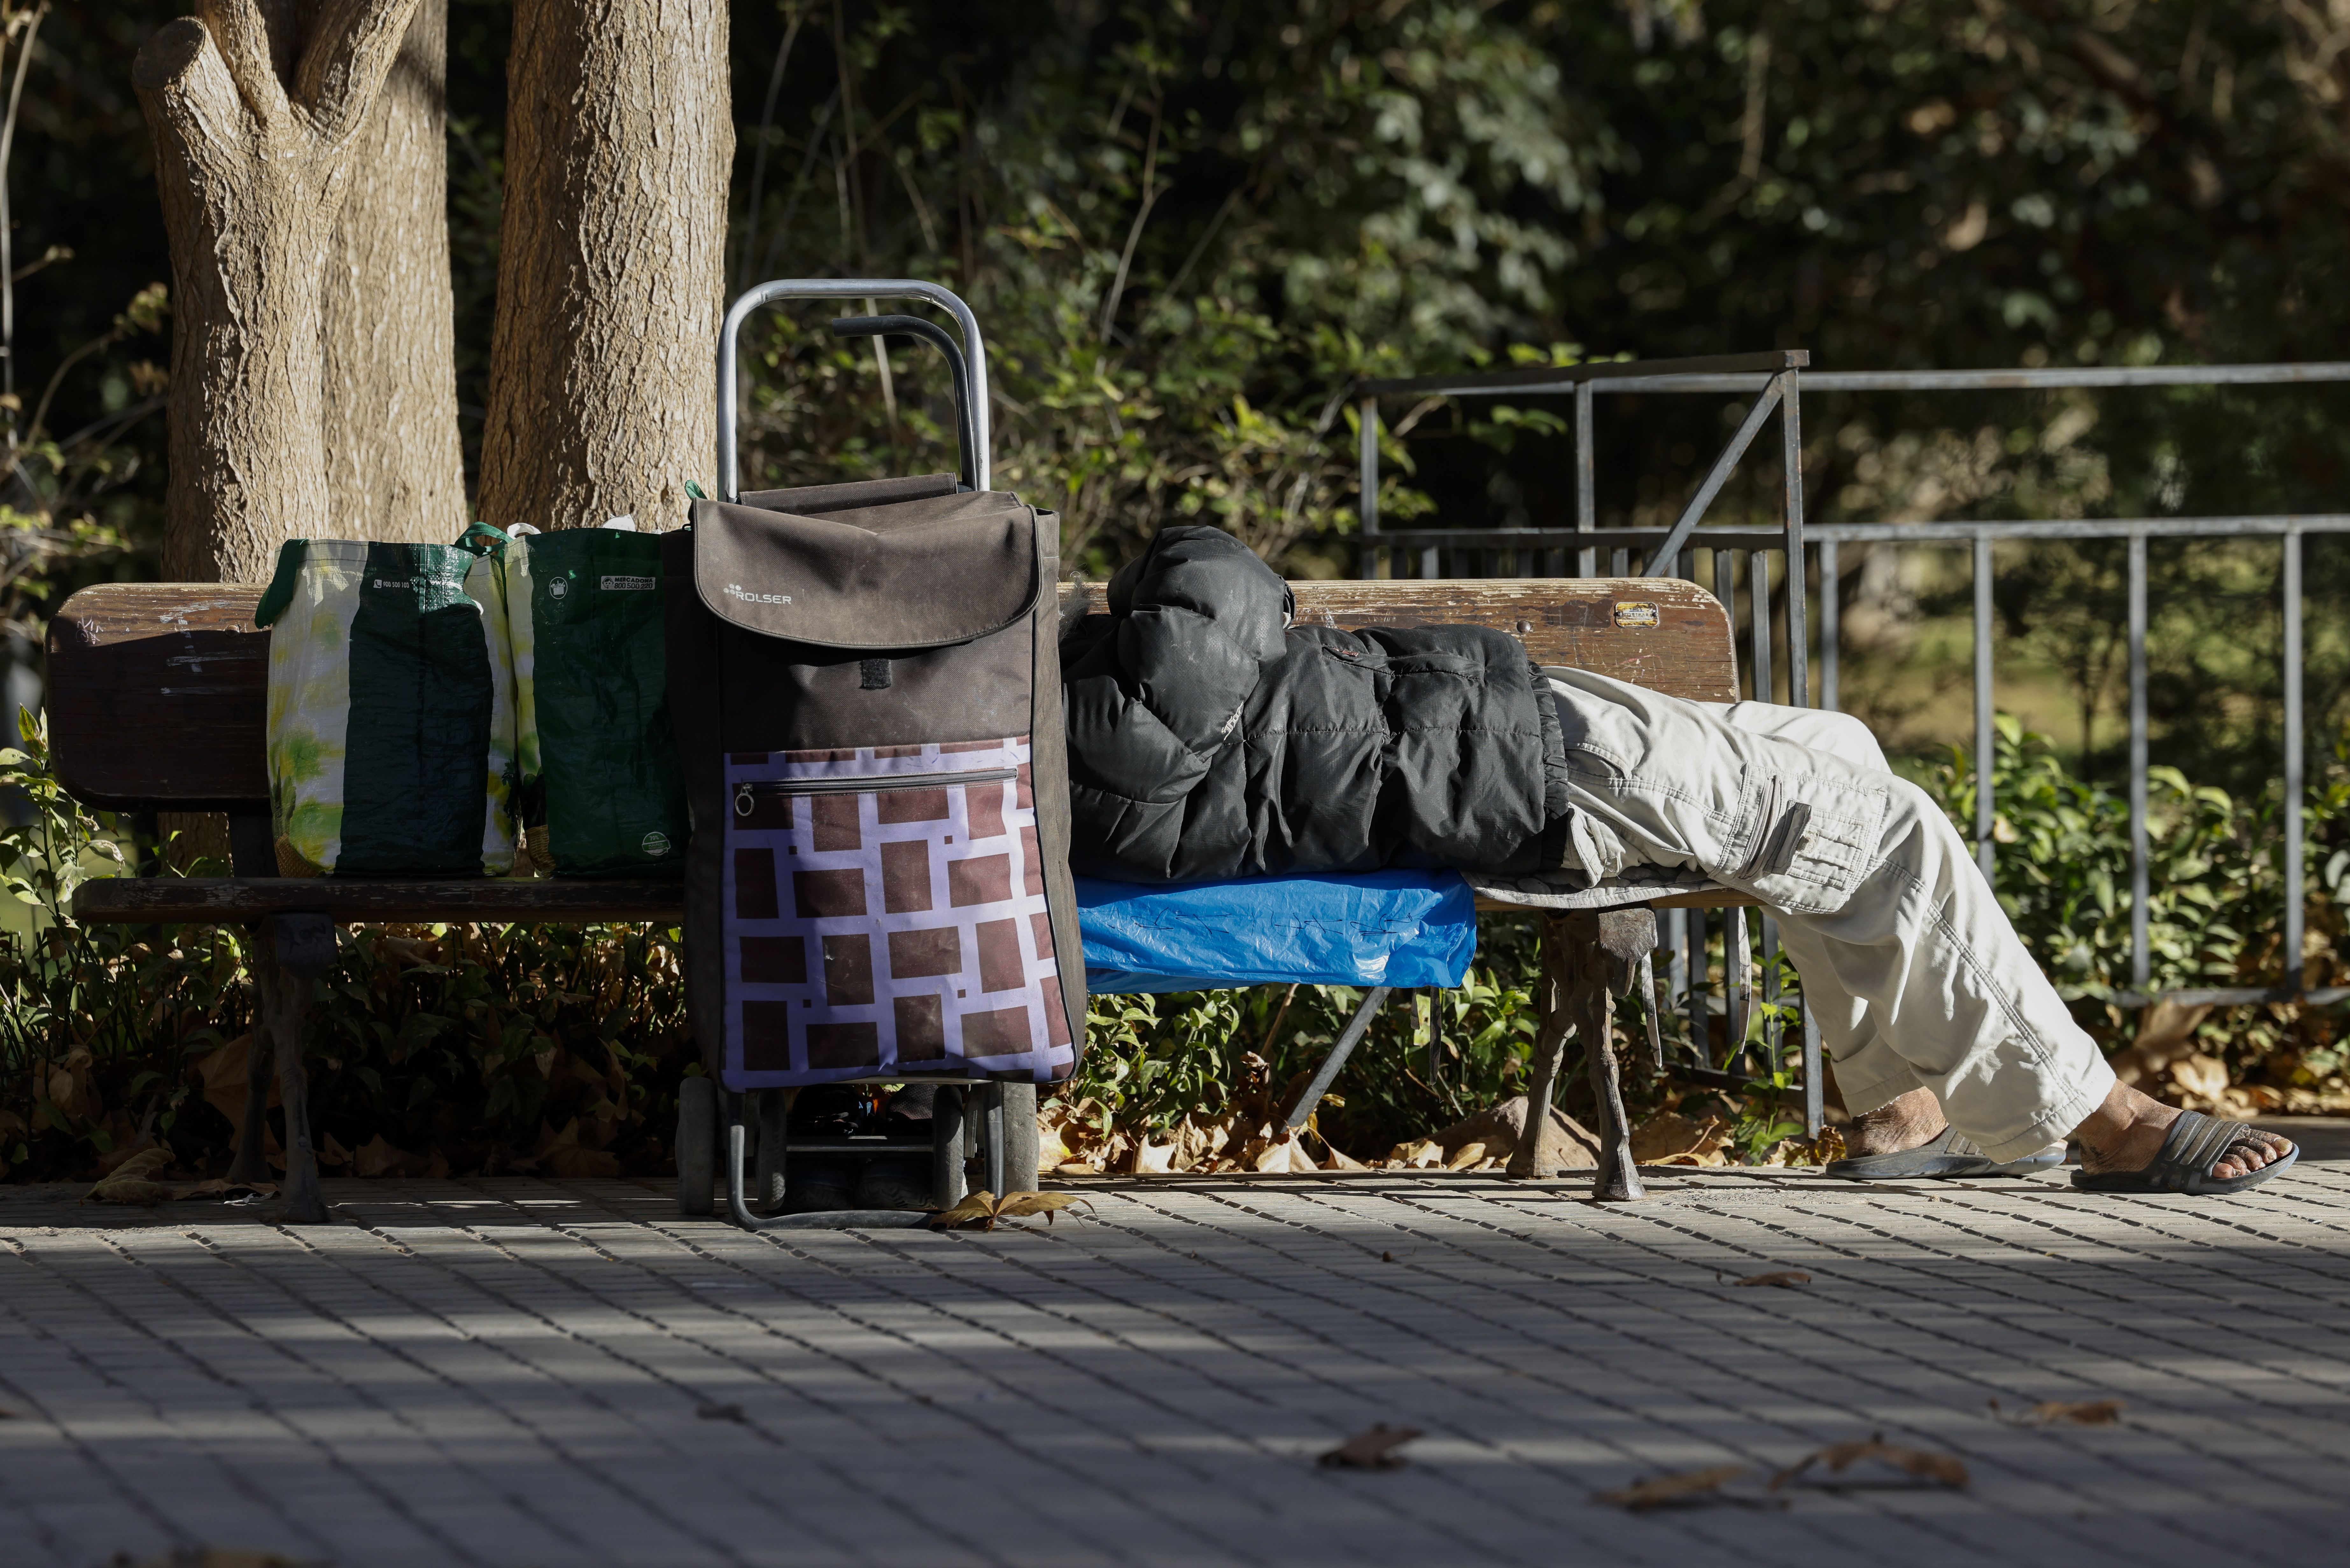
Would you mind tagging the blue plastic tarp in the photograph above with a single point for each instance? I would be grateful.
(1380, 927)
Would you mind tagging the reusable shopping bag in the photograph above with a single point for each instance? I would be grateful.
(602, 794)
(391, 723)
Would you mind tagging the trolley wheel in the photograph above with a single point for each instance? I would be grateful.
(1020, 1143)
(697, 1145)
(946, 1146)
(766, 1194)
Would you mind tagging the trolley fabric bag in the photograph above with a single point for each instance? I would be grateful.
(601, 793)
(867, 701)
(391, 724)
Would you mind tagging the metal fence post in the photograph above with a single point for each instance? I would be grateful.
(2141, 958)
(1831, 625)
(1586, 482)
(2295, 898)
(1367, 456)
(1799, 587)
(1986, 847)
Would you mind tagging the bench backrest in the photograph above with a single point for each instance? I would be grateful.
(157, 692)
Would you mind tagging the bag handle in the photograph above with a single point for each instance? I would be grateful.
(982, 468)
(483, 539)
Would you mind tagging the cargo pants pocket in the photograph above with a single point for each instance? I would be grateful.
(1815, 835)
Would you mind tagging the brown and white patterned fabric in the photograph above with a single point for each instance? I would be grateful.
(885, 913)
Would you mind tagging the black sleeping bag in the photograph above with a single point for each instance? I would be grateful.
(1209, 738)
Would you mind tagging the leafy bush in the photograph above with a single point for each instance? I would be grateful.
(430, 1048)
(559, 1048)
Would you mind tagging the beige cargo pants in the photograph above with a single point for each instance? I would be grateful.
(1910, 967)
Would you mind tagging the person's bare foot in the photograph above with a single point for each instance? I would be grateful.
(2127, 1131)
(1897, 1126)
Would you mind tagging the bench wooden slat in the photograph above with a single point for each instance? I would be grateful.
(1585, 623)
(158, 692)
(171, 900)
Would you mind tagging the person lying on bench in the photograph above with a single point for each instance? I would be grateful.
(1209, 738)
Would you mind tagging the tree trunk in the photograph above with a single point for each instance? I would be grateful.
(610, 273)
(395, 467)
(255, 113)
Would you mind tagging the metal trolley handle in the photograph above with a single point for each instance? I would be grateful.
(975, 352)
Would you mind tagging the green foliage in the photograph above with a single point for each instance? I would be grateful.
(470, 1048)
(559, 1048)
(2216, 888)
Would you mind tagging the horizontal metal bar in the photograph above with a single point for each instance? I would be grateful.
(2233, 996)
(1598, 538)
(2075, 376)
(2089, 528)
(1872, 533)
(1599, 372)
(1653, 377)
(1656, 376)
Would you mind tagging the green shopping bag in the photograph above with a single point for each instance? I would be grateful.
(602, 790)
(392, 722)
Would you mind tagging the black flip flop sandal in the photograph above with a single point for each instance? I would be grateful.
(2197, 1143)
(1939, 1160)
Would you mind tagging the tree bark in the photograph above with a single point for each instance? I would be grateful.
(395, 465)
(620, 135)
(255, 111)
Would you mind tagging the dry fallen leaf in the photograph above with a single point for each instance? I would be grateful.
(1788, 1278)
(1021, 1205)
(1688, 1489)
(983, 1209)
(1372, 1450)
(975, 1208)
(1467, 1155)
(133, 1181)
(2065, 1413)
(1922, 1463)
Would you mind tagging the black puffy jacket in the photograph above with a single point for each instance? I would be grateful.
(1209, 738)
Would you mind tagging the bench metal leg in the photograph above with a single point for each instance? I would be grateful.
(294, 951)
(1589, 959)
(1550, 1048)
(1617, 1180)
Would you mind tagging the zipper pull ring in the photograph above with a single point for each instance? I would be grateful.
(744, 803)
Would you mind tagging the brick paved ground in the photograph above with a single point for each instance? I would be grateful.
(521, 1373)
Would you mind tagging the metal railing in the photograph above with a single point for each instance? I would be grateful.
(1775, 381)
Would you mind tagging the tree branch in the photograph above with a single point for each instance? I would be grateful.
(241, 33)
(350, 52)
(186, 86)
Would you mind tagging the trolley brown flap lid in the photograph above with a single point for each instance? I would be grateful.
(913, 574)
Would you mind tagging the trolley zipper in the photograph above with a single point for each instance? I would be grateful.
(747, 796)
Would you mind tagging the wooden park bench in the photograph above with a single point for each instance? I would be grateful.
(156, 699)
